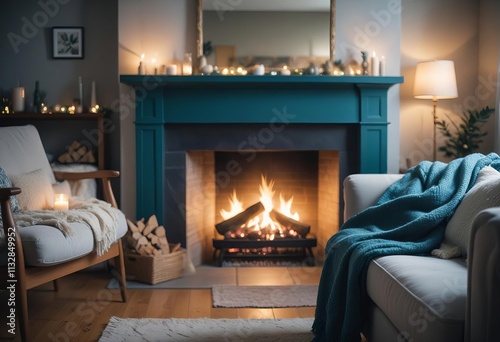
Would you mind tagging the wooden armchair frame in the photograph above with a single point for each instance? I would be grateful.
(28, 277)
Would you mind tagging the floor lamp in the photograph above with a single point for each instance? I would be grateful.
(435, 80)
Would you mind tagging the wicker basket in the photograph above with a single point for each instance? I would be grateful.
(154, 269)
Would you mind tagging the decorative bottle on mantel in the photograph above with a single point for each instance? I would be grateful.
(37, 99)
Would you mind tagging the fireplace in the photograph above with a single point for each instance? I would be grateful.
(267, 207)
(183, 123)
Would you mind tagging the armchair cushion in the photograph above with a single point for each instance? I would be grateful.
(46, 245)
(37, 191)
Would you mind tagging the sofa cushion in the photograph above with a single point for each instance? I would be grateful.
(424, 297)
(47, 246)
(483, 195)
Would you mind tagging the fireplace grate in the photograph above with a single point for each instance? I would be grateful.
(296, 248)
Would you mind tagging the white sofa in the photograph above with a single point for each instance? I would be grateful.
(424, 298)
(43, 253)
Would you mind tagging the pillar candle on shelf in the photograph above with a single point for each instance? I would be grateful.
(61, 202)
(18, 99)
(374, 65)
(382, 66)
(93, 101)
(79, 108)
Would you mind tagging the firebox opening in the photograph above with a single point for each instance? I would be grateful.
(296, 191)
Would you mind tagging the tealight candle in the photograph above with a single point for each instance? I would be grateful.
(61, 202)
(285, 71)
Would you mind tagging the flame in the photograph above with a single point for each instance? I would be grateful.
(286, 208)
(263, 221)
(236, 207)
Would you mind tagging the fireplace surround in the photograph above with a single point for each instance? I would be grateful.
(182, 120)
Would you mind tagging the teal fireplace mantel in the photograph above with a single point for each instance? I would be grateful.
(167, 101)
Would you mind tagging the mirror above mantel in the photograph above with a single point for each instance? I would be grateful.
(269, 32)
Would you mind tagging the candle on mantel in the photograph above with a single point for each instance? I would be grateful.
(61, 202)
(382, 66)
(285, 71)
(374, 65)
(142, 67)
(155, 68)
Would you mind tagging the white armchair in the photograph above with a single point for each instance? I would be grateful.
(43, 253)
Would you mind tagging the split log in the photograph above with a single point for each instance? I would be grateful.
(148, 238)
(236, 221)
(301, 228)
(133, 228)
(150, 225)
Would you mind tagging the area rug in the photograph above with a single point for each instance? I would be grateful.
(208, 329)
(264, 296)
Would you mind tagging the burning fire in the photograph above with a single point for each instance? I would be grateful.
(262, 226)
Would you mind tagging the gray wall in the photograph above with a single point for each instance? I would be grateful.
(31, 60)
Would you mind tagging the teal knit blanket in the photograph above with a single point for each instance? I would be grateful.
(409, 218)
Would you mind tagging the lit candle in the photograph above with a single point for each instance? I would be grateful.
(61, 202)
(187, 64)
(374, 65)
(285, 71)
(153, 61)
(142, 67)
(382, 66)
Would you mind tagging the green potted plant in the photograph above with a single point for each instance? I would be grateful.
(467, 135)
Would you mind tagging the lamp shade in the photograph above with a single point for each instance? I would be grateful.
(435, 80)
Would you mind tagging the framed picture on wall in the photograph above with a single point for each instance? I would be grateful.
(67, 42)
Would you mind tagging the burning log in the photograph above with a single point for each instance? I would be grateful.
(148, 238)
(236, 221)
(301, 228)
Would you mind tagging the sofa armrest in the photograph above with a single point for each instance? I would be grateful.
(104, 175)
(364, 190)
(483, 295)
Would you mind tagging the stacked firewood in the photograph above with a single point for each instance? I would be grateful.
(77, 153)
(149, 238)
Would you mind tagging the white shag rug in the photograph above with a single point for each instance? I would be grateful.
(208, 329)
(264, 296)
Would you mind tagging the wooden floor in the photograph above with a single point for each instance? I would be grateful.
(81, 308)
